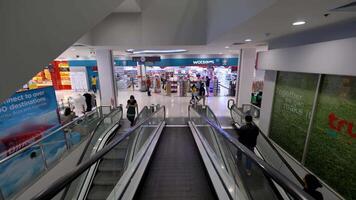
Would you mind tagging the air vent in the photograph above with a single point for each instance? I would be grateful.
(238, 43)
(350, 7)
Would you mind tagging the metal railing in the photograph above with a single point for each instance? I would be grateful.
(71, 176)
(43, 154)
(290, 187)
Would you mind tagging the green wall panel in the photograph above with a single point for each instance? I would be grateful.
(292, 106)
(332, 147)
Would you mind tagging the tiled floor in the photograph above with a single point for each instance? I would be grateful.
(175, 106)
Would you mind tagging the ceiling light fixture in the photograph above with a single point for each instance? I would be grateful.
(298, 23)
(151, 51)
(248, 40)
(227, 47)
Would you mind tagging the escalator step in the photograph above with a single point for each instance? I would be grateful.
(116, 153)
(111, 165)
(107, 177)
(98, 192)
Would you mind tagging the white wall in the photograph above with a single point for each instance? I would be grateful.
(267, 100)
(332, 57)
(35, 32)
(161, 22)
(106, 77)
(246, 76)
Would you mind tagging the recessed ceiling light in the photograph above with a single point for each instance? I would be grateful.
(220, 53)
(298, 23)
(248, 40)
(227, 47)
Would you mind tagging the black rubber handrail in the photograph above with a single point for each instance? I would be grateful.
(62, 182)
(289, 186)
(300, 180)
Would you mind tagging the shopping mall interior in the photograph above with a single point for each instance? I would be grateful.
(189, 99)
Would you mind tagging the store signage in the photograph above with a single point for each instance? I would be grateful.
(203, 62)
(337, 124)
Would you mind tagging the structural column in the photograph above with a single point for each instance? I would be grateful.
(245, 76)
(106, 77)
(269, 85)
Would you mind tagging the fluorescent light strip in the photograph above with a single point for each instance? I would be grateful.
(298, 23)
(155, 51)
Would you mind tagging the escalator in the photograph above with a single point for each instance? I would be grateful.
(155, 161)
(102, 177)
(176, 170)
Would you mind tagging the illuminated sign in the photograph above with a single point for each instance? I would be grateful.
(203, 62)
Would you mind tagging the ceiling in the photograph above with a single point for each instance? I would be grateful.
(270, 22)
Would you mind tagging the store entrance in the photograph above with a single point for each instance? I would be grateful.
(177, 81)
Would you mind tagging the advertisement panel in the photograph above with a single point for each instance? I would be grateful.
(25, 117)
(332, 146)
(292, 107)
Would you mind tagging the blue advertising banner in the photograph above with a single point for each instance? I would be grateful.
(25, 117)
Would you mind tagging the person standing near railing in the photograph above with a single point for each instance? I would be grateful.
(311, 183)
(131, 109)
(248, 137)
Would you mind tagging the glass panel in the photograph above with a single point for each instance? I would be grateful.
(293, 101)
(332, 148)
(245, 173)
(14, 177)
(268, 152)
(44, 153)
(115, 163)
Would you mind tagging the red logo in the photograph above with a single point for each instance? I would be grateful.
(337, 124)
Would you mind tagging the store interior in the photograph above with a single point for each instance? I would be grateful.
(172, 76)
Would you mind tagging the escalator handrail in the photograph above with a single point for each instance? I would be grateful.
(283, 181)
(48, 135)
(300, 180)
(95, 129)
(61, 183)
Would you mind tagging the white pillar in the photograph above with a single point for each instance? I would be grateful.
(106, 77)
(245, 76)
(269, 85)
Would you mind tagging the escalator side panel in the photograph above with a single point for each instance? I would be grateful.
(176, 170)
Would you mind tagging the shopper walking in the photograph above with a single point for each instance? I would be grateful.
(88, 101)
(93, 83)
(248, 137)
(207, 84)
(131, 109)
(194, 94)
(148, 85)
(311, 183)
(202, 93)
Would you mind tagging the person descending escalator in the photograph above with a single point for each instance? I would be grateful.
(311, 183)
(248, 137)
(131, 109)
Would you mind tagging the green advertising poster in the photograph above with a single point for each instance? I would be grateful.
(292, 107)
(332, 148)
